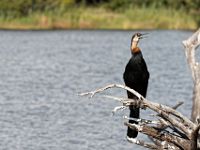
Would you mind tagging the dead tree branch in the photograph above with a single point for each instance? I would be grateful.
(144, 144)
(182, 128)
(191, 45)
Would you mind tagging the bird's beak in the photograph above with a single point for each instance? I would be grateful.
(143, 35)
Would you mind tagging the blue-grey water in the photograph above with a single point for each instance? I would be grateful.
(41, 73)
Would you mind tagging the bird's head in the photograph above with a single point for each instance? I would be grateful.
(137, 36)
(135, 39)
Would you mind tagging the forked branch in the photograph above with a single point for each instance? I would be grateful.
(181, 126)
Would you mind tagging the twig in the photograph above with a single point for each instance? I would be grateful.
(177, 105)
(118, 108)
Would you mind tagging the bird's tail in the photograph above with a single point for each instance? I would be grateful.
(134, 113)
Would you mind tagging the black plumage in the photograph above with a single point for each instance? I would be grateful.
(136, 76)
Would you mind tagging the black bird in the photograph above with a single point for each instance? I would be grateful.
(136, 77)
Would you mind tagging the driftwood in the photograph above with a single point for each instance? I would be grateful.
(170, 129)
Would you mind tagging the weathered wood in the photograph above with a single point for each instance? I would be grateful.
(177, 141)
(181, 136)
(191, 45)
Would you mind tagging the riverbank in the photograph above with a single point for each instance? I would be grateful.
(101, 18)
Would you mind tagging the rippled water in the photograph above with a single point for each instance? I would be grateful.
(41, 73)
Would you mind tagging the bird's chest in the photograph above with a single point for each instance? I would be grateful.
(136, 72)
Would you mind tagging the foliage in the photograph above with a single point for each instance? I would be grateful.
(18, 8)
(175, 4)
(90, 18)
(121, 12)
(24, 7)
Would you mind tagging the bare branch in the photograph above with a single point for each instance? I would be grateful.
(92, 93)
(160, 109)
(169, 117)
(143, 143)
(191, 45)
(118, 108)
(177, 105)
(157, 134)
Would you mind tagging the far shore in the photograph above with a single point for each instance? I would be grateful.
(100, 18)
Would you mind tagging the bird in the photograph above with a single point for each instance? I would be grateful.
(136, 76)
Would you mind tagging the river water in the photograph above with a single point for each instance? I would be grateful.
(41, 73)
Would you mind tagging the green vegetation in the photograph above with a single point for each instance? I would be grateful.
(99, 14)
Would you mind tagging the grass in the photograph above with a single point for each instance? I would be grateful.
(102, 18)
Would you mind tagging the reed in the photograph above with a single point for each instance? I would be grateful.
(101, 18)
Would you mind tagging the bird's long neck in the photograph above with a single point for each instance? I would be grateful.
(134, 47)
